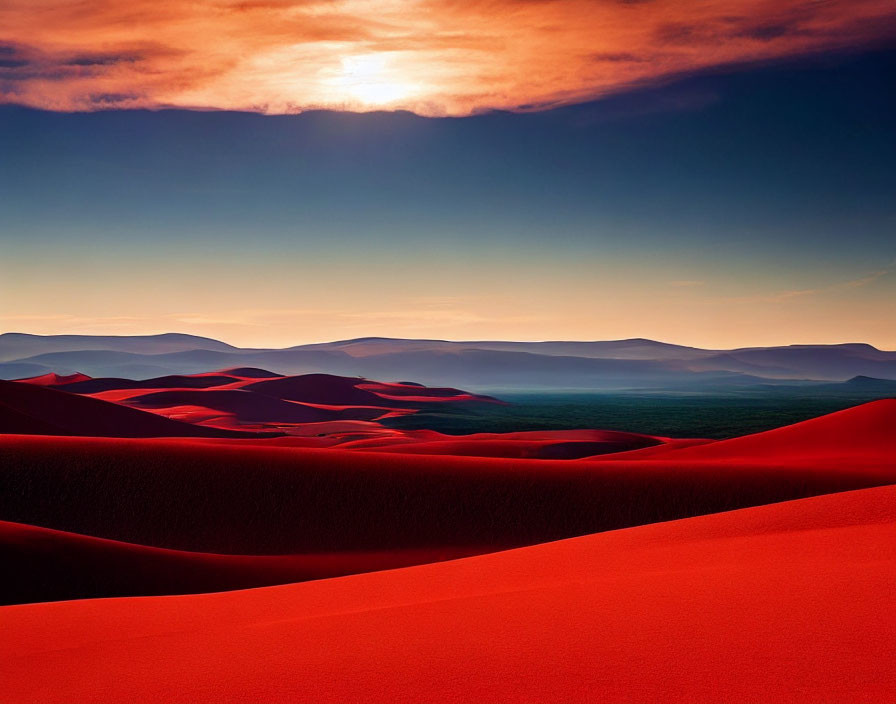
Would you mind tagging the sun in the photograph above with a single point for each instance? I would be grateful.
(370, 79)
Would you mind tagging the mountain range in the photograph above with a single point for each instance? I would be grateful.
(478, 365)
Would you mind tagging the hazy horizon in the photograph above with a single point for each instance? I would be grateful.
(248, 344)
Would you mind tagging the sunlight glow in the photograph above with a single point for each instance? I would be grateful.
(433, 58)
(286, 56)
(370, 79)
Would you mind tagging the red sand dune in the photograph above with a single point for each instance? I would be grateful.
(336, 431)
(245, 398)
(339, 390)
(53, 379)
(47, 565)
(234, 404)
(405, 388)
(782, 603)
(858, 429)
(317, 388)
(417, 393)
(35, 409)
(654, 451)
(247, 406)
(13, 421)
(425, 398)
(870, 427)
(785, 602)
(248, 498)
(543, 444)
(247, 373)
(173, 381)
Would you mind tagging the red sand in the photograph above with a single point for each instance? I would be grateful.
(240, 404)
(410, 389)
(253, 399)
(780, 603)
(864, 428)
(784, 603)
(541, 444)
(53, 379)
(47, 565)
(250, 498)
(246, 373)
(261, 497)
(34, 409)
(173, 381)
(318, 388)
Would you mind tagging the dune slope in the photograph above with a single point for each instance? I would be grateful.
(47, 565)
(63, 413)
(330, 511)
(861, 429)
(545, 444)
(243, 398)
(53, 379)
(781, 603)
(231, 497)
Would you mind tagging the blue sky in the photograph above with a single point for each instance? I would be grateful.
(746, 206)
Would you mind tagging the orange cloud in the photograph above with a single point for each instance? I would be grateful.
(434, 57)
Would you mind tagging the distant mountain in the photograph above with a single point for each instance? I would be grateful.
(829, 362)
(483, 365)
(135, 365)
(636, 348)
(867, 382)
(474, 368)
(860, 385)
(17, 345)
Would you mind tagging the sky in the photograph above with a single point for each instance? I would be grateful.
(434, 57)
(719, 175)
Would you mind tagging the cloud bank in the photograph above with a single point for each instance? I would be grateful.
(433, 57)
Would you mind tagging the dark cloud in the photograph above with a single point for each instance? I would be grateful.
(102, 59)
(617, 57)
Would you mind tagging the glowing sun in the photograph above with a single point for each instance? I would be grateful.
(370, 79)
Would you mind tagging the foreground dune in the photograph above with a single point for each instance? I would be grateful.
(41, 564)
(327, 512)
(230, 497)
(782, 603)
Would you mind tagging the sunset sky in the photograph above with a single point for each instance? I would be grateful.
(273, 172)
